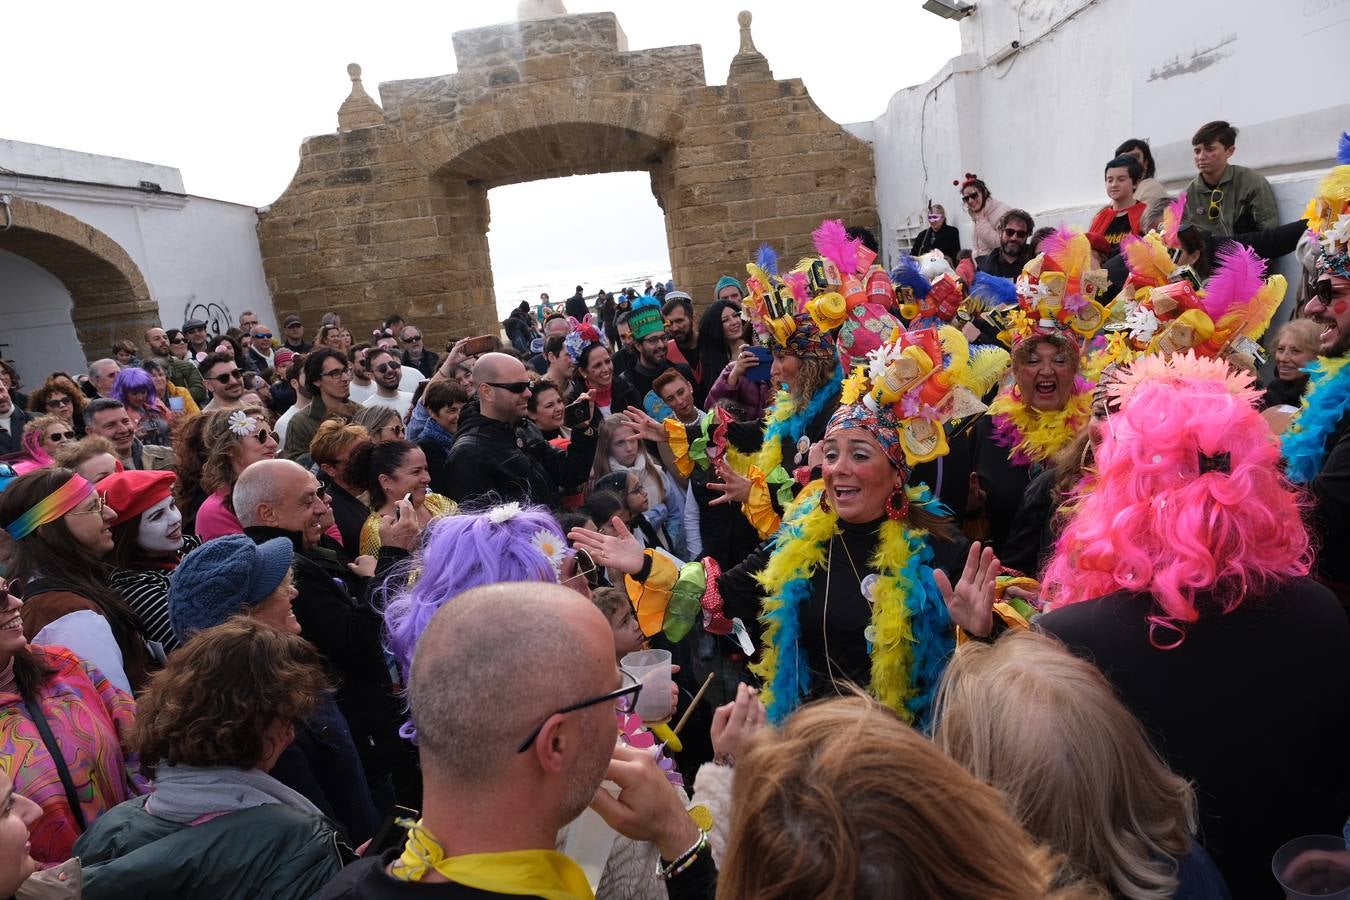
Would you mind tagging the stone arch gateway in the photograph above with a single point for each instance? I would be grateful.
(390, 212)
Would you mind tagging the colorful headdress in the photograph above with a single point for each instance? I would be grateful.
(913, 386)
(1057, 291)
(644, 317)
(1166, 314)
(51, 507)
(579, 339)
(929, 290)
(1328, 215)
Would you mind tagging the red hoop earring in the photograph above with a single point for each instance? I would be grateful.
(897, 513)
(824, 501)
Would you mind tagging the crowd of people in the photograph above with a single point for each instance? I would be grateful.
(362, 620)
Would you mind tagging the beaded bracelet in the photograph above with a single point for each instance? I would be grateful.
(684, 860)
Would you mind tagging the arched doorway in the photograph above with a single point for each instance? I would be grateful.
(108, 294)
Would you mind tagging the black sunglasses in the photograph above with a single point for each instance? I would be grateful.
(624, 697)
(62, 436)
(59, 401)
(515, 387)
(385, 367)
(262, 434)
(236, 375)
(178, 340)
(1323, 290)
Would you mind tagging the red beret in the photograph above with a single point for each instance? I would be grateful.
(133, 491)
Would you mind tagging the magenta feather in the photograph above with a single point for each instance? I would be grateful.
(833, 243)
(1238, 274)
(1172, 219)
(796, 281)
(767, 259)
(1055, 244)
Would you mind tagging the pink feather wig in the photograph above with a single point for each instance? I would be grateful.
(1153, 522)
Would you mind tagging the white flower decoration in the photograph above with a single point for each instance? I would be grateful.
(879, 360)
(242, 424)
(1337, 234)
(504, 513)
(552, 546)
(1143, 324)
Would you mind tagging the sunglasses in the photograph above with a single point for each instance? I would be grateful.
(262, 435)
(396, 428)
(412, 340)
(59, 401)
(263, 336)
(969, 198)
(515, 387)
(1014, 232)
(236, 375)
(389, 366)
(1215, 203)
(59, 436)
(178, 340)
(1323, 291)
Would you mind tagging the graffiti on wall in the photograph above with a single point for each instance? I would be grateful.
(217, 316)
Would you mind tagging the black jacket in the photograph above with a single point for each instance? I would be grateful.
(947, 239)
(335, 618)
(1331, 514)
(495, 462)
(426, 365)
(322, 763)
(576, 307)
(10, 442)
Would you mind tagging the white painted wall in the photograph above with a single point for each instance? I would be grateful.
(200, 257)
(35, 321)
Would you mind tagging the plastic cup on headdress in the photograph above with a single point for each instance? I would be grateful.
(652, 668)
(1315, 865)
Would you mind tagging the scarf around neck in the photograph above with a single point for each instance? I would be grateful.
(530, 873)
(185, 794)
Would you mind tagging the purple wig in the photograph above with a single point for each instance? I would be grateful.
(134, 378)
(461, 552)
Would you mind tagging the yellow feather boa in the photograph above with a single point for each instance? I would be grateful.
(1034, 437)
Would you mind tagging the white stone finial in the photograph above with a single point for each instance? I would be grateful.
(358, 110)
(747, 43)
(539, 9)
(354, 71)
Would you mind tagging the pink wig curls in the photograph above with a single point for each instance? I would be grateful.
(1167, 513)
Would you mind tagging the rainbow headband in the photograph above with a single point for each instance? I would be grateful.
(51, 507)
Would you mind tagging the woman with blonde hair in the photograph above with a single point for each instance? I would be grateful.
(1045, 728)
(43, 437)
(234, 439)
(332, 447)
(1296, 344)
(848, 801)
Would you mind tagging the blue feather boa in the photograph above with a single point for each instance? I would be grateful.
(1325, 403)
(794, 426)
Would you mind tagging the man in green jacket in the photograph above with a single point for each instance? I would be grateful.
(181, 372)
(1224, 198)
(329, 378)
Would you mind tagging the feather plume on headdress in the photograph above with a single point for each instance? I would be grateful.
(1343, 149)
(1148, 259)
(906, 274)
(833, 243)
(994, 291)
(767, 258)
(1238, 276)
(1172, 219)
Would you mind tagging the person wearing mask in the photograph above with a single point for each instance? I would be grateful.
(232, 576)
(331, 449)
(13, 419)
(148, 542)
(277, 498)
(387, 371)
(328, 378)
(938, 236)
(294, 329)
(1122, 216)
(1223, 197)
(489, 456)
(184, 374)
(391, 471)
(415, 353)
(1013, 253)
(682, 345)
(61, 532)
(1149, 187)
(1296, 345)
(1129, 826)
(985, 212)
(546, 741)
(233, 440)
(62, 716)
(224, 380)
(109, 418)
(649, 339)
(216, 824)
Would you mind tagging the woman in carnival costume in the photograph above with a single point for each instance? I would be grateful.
(1317, 443)
(1182, 574)
(1049, 398)
(851, 588)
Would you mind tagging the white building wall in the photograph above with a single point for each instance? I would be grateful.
(200, 257)
(35, 321)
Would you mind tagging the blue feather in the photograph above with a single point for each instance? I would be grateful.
(1325, 403)
(928, 621)
(907, 274)
(1343, 152)
(993, 290)
(767, 258)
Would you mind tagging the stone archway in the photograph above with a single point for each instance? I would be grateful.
(391, 211)
(110, 298)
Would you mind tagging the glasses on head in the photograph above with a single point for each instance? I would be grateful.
(1215, 203)
(969, 198)
(344, 372)
(63, 400)
(1014, 232)
(97, 509)
(262, 335)
(236, 375)
(389, 366)
(625, 700)
(515, 387)
(57, 437)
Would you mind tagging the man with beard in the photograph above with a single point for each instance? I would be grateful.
(181, 372)
(649, 340)
(386, 372)
(682, 338)
(1012, 254)
(1317, 442)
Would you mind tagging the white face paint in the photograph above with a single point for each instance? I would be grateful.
(161, 530)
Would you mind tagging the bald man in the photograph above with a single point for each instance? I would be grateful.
(497, 456)
(518, 748)
(279, 498)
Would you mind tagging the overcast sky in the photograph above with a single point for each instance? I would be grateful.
(226, 92)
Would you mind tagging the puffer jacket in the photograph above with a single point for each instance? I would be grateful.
(495, 462)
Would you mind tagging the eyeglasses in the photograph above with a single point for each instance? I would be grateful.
(1014, 232)
(654, 339)
(625, 699)
(1215, 203)
(969, 198)
(99, 505)
(396, 429)
(412, 340)
(236, 375)
(262, 435)
(1323, 290)
(59, 401)
(263, 336)
(389, 366)
(344, 372)
(515, 387)
(178, 340)
(57, 437)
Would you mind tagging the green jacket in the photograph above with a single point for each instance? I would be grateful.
(270, 851)
(305, 424)
(1241, 203)
(187, 375)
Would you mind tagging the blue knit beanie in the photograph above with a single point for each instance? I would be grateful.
(727, 281)
(222, 577)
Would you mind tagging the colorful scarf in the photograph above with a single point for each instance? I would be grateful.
(910, 634)
(1324, 404)
(529, 873)
(1032, 436)
(50, 508)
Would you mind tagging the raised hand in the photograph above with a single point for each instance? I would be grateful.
(647, 428)
(734, 722)
(971, 602)
(622, 551)
(734, 488)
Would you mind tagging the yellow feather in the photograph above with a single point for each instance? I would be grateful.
(1335, 187)
(987, 365)
(1149, 258)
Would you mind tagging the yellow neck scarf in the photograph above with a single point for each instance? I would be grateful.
(531, 873)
